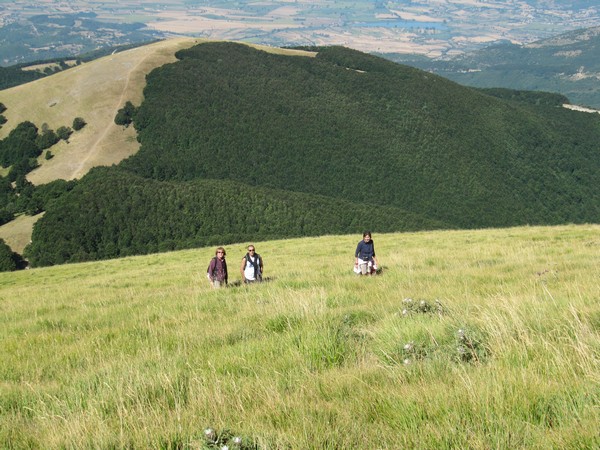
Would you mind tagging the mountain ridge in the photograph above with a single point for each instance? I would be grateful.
(343, 126)
(567, 64)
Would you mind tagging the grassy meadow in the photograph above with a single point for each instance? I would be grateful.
(499, 347)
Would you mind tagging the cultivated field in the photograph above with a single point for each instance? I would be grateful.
(499, 347)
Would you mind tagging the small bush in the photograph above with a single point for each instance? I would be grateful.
(64, 133)
(78, 123)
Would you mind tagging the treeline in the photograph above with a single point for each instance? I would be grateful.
(533, 97)
(19, 152)
(9, 260)
(111, 213)
(16, 75)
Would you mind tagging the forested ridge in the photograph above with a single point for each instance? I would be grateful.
(126, 214)
(330, 124)
(356, 141)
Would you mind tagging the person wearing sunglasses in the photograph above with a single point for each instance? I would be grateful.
(217, 269)
(252, 266)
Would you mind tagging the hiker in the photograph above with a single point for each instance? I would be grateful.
(252, 266)
(217, 269)
(365, 260)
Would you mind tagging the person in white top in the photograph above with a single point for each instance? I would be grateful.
(252, 266)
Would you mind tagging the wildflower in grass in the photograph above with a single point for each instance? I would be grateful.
(421, 306)
(424, 307)
(237, 440)
(470, 347)
(408, 347)
(210, 434)
(225, 447)
(407, 361)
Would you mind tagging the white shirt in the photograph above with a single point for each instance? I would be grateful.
(249, 269)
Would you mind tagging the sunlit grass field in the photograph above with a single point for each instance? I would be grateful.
(499, 347)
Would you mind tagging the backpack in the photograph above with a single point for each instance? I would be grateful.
(256, 264)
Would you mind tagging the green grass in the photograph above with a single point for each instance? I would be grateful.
(141, 353)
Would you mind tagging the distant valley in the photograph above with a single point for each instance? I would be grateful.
(39, 30)
(568, 63)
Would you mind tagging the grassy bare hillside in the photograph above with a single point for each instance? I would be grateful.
(17, 233)
(94, 91)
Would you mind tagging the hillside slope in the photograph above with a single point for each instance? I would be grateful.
(352, 133)
(140, 353)
(568, 64)
(360, 128)
(127, 214)
(94, 91)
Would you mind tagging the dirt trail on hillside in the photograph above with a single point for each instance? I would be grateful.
(94, 91)
(95, 155)
(106, 87)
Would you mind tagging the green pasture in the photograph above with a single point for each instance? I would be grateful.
(469, 339)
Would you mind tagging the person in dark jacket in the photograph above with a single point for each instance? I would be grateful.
(217, 269)
(365, 259)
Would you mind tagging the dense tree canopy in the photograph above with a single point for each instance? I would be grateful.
(325, 125)
(240, 144)
(126, 215)
(9, 260)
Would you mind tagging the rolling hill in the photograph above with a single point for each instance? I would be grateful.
(568, 64)
(342, 126)
(94, 91)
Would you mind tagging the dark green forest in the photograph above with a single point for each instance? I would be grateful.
(126, 214)
(19, 152)
(239, 144)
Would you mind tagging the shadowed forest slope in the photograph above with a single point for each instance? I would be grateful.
(353, 126)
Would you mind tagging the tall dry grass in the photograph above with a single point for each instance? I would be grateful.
(141, 353)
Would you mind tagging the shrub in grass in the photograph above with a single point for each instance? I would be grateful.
(226, 440)
(470, 347)
(410, 306)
